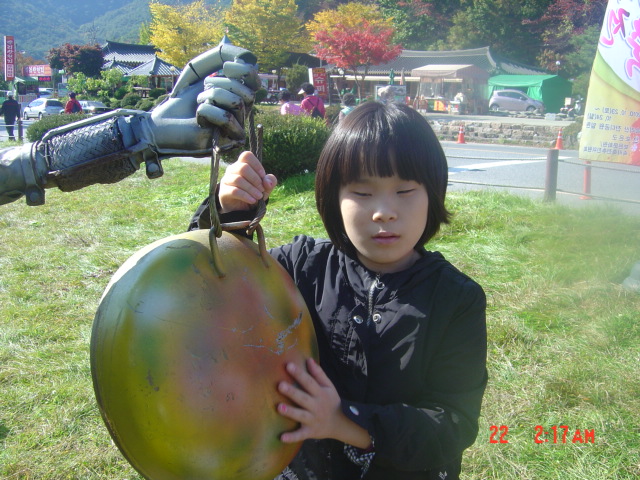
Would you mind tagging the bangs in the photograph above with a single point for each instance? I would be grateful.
(378, 143)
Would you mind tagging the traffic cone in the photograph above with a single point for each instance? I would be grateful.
(461, 135)
(559, 145)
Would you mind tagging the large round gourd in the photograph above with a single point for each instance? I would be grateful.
(185, 363)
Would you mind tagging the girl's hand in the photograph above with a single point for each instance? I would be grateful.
(244, 183)
(317, 408)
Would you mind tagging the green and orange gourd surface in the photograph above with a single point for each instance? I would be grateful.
(185, 361)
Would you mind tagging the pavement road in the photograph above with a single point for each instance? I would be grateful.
(523, 171)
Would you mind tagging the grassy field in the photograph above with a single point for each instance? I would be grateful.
(564, 336)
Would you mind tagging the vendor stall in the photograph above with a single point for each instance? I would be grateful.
(451, 88)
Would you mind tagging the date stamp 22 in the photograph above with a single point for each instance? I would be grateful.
(556, 434)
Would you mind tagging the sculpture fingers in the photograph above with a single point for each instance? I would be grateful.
(210, 115)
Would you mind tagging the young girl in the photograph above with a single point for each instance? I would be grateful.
(401, 332)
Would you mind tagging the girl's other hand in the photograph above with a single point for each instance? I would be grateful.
(316, 406)
(244, 183)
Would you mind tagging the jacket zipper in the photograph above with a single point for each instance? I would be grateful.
(375, 285)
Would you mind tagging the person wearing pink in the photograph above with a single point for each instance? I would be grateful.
(288, 107)
(311, 104)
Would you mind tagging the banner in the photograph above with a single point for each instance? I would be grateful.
(318, 78)
(9, 58)
(36, 71)
(611, 126)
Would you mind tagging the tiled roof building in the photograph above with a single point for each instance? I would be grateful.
(132, 59)
(128, 54)
(155, 67)
(482, 57)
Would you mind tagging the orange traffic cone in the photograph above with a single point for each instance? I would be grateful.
(461, 135)
(559, 145)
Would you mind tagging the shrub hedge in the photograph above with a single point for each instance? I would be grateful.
(37, 129)
(291, 144)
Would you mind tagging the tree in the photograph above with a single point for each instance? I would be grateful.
(499, 24)
(561, 23)
(144, 34)
(85, 59)
(420, 24)
(182, 32)
(349, 15)
(353, 35)
(268, 28)
(295, 76)
(357, 46)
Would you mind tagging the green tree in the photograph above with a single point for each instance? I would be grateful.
(500, 24)
(182, 32)
(144, 33)
(420, 24)
(295, 76)
(269, 28)
(79, 83)
(579, 61)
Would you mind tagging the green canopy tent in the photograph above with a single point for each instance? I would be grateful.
(550, 89)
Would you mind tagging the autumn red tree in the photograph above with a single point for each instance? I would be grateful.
(86, 59)
(353, 47)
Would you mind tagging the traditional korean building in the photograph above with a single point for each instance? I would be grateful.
(427, 76)
(132, 59)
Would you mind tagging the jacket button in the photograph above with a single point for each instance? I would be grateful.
(377, 317)
(357, 319)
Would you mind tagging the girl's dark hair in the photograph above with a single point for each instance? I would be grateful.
(285, 96)
(382, 140)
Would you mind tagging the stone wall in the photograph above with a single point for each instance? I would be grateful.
(544, 136)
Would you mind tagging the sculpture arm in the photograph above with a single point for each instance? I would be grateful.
(212, 94)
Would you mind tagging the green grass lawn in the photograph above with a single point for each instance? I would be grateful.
(564, 336)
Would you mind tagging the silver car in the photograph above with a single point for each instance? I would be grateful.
(42, 107)
(93, 107)
(514, 100)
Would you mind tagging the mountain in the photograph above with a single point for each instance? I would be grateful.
(39, 25)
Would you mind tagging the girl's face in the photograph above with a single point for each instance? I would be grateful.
(384, 217)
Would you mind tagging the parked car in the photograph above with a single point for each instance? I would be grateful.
(42, 107)
(93, 107)
(45, 92)
(514, 100)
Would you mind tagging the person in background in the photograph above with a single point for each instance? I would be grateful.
(348, 104)
(288, 107)
(311, 104)
(73, 105)
(10, 109)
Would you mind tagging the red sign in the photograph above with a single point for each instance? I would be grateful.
(319, 81)
(36, 70)
(9, 58)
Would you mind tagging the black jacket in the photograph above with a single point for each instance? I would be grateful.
(10, 109)
(406, 352)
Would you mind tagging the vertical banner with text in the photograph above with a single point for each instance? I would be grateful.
(611, 126)
(318, 78)
(9, 58)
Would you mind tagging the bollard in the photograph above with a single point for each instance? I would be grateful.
(551, 180)
(19, 128)
(586, 187)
